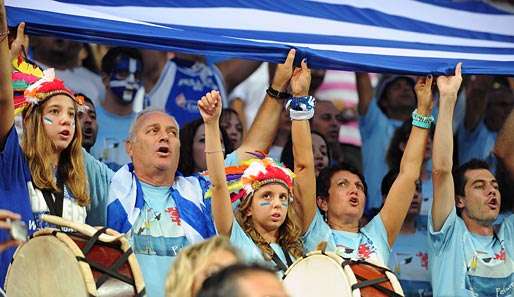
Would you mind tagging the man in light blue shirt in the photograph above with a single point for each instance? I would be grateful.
(469, 256)
(380, 116)
(487, 106)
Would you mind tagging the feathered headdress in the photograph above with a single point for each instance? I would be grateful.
(31, 85)
(244, 180)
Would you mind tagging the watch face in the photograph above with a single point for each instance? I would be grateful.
(19, 230)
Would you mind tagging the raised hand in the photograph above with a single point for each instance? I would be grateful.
(210, 107)
(449, 85)
(423, 90)
(301, 80)
(283, 73)
(21, 40)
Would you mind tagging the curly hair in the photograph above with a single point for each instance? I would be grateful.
(180, 280)
(37, 147)
(289, 232)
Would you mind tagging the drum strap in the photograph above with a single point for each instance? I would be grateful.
(278, 262)
(111, 271)
(55, 206)
(375, 284)
(372, 282)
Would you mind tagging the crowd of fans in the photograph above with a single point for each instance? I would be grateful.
(387, 196)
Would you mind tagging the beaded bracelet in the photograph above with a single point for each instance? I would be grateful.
(421, 121)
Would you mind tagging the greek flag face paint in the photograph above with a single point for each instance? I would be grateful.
(264, 203)
(124, 81)
(47, 120)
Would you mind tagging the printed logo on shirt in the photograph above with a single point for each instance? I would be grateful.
(158, 233)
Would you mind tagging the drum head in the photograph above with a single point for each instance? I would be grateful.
(317, 275)
(52, 263)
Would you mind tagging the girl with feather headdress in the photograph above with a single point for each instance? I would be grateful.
(45, 172)
(265, 225)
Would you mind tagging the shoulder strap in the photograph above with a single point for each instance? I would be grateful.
(278, 262)
(55, 205)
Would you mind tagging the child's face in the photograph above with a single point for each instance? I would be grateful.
(59, 120)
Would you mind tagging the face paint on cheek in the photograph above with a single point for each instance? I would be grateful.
(47, 120)
(264, 203)
(285, 204)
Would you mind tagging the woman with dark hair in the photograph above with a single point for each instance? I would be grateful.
(192, 147)
(320, 149)
(341, 194)
(232, 126)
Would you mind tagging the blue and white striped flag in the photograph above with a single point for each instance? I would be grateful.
(405, 36)
(126, 201)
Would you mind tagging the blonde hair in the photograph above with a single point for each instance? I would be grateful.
(288, 233)
(179, 282)
(37, 146)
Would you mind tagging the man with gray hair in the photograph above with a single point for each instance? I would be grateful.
(162, 211)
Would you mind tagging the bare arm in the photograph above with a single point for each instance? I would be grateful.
(403, 189)
(6, 95)
(305, 183)
(442, 154)
(505, 143)
(210, 109)
(476, 104)
(235, 71)
(265, 126)
(364, 90)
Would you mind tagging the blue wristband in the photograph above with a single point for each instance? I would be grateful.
(421, 121)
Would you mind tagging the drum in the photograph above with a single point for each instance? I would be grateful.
(87, 262)
(326, 274)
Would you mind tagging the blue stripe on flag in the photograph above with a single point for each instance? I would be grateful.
(117, 218)
(197, 218)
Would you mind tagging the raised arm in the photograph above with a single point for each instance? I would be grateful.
(305, 184)
(402, 191)
(364, 90)
(505, 143)
(210, 109)
(6, 101)
(265, 126)
(442, 152)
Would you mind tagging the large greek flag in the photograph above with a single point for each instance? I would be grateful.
(405, 36)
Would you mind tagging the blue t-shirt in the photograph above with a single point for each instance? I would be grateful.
(157, 236)
(181, 84)
(467, 264)
(475, 144)
(369, 244)
(376, 133)
(19, 195)
(409, 261)
(110, 141)
(251, 252)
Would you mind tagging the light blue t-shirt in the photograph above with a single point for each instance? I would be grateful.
(249, 250)
(476, 144)
(369, 244)
(376, 132)
(157, 237)
(110, 141)
(467, 264)
(409, 261)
